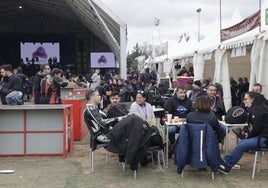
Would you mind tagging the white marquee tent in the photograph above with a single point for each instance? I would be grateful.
(243, 55)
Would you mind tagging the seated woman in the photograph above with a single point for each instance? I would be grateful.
(203, 114)
(142, 108)
(257, 107)
(145, 111)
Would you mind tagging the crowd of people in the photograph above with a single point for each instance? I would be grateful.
(203, 103)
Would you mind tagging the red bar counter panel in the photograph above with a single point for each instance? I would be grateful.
(28, 130)
(80, 128)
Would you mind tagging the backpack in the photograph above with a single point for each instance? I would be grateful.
(48, 95)
(236, 115)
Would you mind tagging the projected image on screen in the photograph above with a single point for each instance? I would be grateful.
(102, 60)
(40, 52)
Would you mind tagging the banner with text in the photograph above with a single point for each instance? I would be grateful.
(244, 26)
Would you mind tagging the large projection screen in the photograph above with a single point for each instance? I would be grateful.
(41, 52)
(102, 60)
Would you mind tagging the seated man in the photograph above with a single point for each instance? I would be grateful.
(115, 109)
(11, 82)
(93, 114)
(178, 105)
(129, 136)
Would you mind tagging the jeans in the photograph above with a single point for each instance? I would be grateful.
(172, 130)
(223, 132)
(244, 145)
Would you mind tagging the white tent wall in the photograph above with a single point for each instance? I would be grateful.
(209, 68)
(239, 66)
(221, 75)
(259, 59)
(263, 67)
(198, 65)
(255, 61)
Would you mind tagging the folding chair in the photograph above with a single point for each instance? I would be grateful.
(257, 159)
(193, 148)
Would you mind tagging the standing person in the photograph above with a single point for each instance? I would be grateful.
(257, 88)
(134, 75)
(96, 79)
(50, 87)
(126, 91)
(178, 105)
(257, 136)
(153, 93)
(11, 83)
(246, 84)
(205, 82)
(24, 79)
(153, 74)
(196, 91)
(44, 70)
(146, 79)
(240, 90)
(233, 85)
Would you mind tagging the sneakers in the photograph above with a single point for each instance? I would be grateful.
(223, 169)
(103, 139)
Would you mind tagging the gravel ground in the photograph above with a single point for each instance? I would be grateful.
(74, 172)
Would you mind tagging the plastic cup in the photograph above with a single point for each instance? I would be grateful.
(169, 117)
(223, 118)
(176, 119)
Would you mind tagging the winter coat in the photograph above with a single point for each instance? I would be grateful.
(130, 137)
(197, 146)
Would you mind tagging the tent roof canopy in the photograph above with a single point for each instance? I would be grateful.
(91, 13)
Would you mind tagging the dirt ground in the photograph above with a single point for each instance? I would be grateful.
(74, 172)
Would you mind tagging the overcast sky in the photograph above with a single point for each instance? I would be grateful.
(176, 17)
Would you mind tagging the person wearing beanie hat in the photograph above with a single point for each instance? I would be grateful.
(198, 83)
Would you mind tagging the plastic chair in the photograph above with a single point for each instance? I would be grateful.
(94, 146)
(258, 154)
(160, 155)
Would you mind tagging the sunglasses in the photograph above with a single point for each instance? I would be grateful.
(140, 91)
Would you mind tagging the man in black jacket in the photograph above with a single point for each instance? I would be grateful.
(11, 82)
(115, 109)
(178, 105)
(44, 70)
(129, 135)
